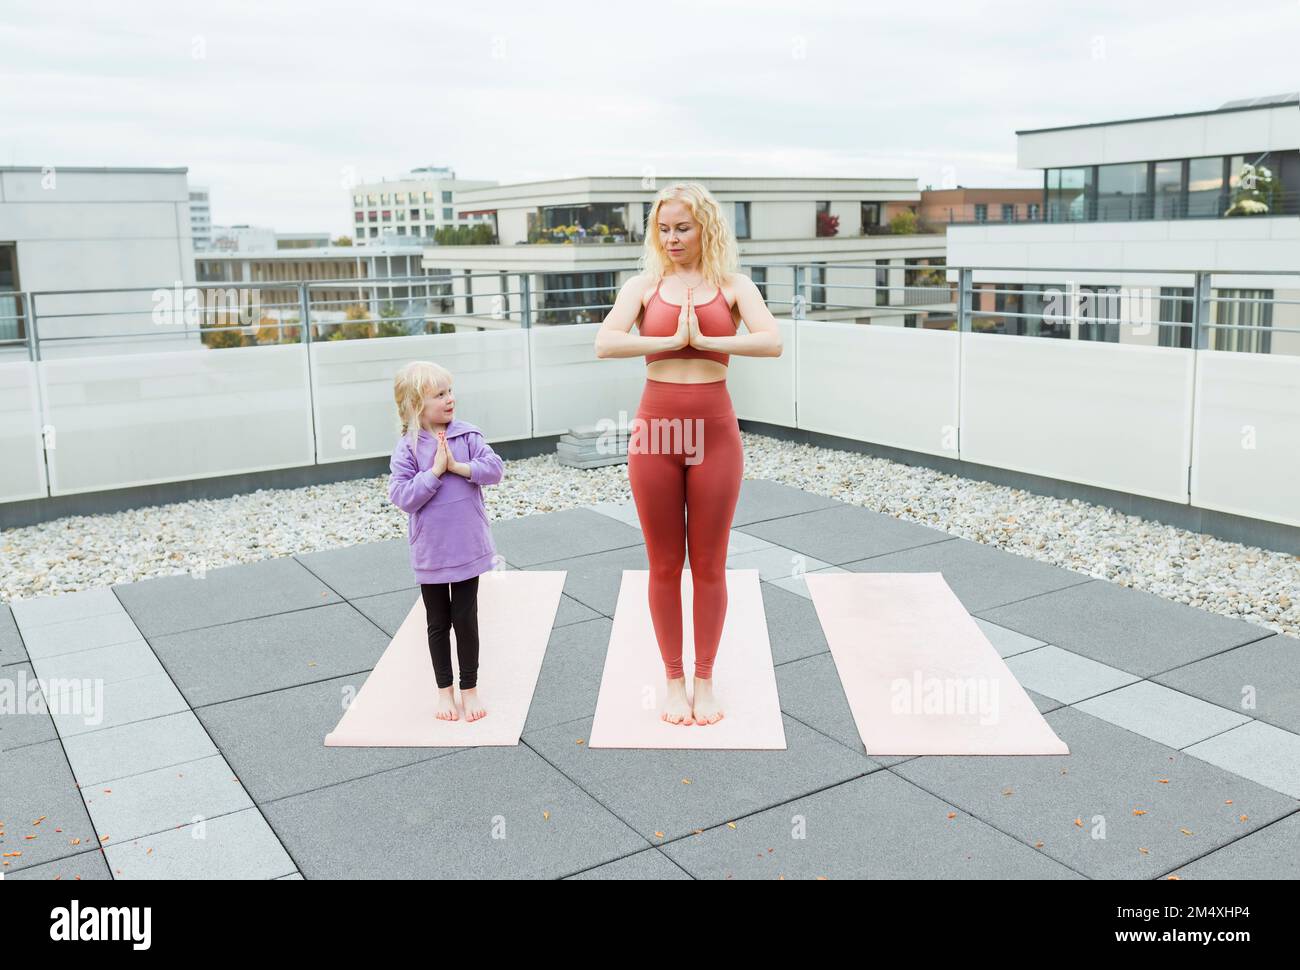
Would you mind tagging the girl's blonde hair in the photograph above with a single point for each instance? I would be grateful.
(719, 253)
(413, 383)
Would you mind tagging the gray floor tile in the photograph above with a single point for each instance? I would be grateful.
(877, 827)
(298, 719)
(38, 785)
(129, 749)
(1108, 774)
(1266, 672)
(12, 650)
(1125, 628)
(1161, 714)
(775, 563)
(63, 607)
(270, 653)
(793, 629)
(480, 813)
(163, 799)
(569, 681)
(108, 705)
(29, 721)
(535, 539)
(762, 499)
(1272, 852)
(982, 577)
(795, 584)
(624, 512)
(120, 661)
(69, 636)
(82, 866)
(647, 787)
(844, 533)
(1258, 751)
(366, 569)
(388, 610)
(1065, 676)
(594, 580)
(236, 846)
(811, 692)
(1008, 643)
(172, 604)
(647, 864)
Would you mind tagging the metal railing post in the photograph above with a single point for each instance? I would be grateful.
(304, 303)
(963, 300)
(1201, 312)
(33, 338)
(525, 301)
(797, 305)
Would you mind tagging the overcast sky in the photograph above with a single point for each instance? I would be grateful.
(275, 106)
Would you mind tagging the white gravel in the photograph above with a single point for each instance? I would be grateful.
(80, 552)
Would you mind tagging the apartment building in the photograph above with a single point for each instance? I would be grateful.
(96, 230)
(200, 217)
(577, 240)
(940, 208)
(1215, 190)
(417, 203)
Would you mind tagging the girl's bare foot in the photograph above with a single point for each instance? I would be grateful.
(474, 708)
(446, 709)
(677, 709)
(706, 709)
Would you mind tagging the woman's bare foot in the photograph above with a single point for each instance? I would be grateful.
(705, 709)
(677, 709)
(446, 709)
(474, 708)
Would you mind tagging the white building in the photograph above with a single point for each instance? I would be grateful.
(577, 240)
(417, 203)
(89, 229)
(200, 217)
(1151, 194)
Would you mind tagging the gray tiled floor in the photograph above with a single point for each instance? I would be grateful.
(207, 757)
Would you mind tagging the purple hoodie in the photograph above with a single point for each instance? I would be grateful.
(449, 534)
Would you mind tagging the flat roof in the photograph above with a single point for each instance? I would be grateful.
(94, 168)
(1186, 114)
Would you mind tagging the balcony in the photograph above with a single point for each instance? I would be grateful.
(229, 633)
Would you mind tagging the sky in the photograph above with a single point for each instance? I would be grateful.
(279, 107)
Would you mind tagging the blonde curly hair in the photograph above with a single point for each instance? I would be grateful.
(719, 252)
(412, 385)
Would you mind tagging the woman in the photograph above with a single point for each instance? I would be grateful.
(685, 459)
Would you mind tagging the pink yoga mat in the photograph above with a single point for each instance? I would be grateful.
(919, 674)
(394, 708)
(632, 689)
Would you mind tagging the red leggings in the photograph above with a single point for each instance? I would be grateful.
(684, 465)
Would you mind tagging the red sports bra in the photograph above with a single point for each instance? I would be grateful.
(660, 320)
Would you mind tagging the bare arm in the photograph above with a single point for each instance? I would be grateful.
(615, 339)
(764, 337)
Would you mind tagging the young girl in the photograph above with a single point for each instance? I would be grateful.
(438, 469)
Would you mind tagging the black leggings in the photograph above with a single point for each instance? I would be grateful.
(443, 611)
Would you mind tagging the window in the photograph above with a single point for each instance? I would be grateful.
(1070, 194)
(1099, 313)
(1175, 307)
(759, 275)
(1034, 212)
(1122, 191)
(882, 282)
(446, 214)
(1255, 310)
(387, 214)
(742, 220)
(415, 214)
(870, 217)
(446, 196)
(981, 212)
(428, 196)
(373, 215)
(817, 279)
(1167, 189)
(1008, 212)
(359, 216)
(12, 326)
(385, 197)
